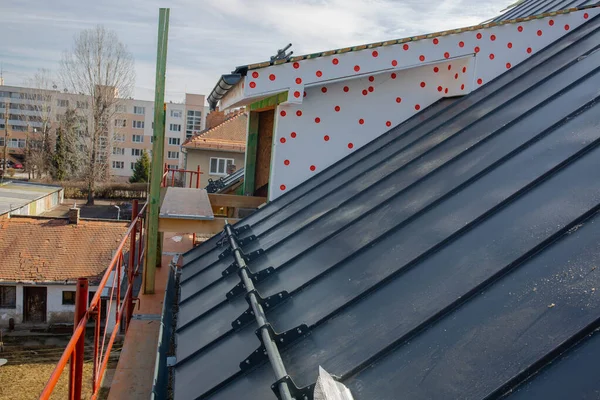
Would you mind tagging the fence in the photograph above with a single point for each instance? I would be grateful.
(83, 313)
(182, 174)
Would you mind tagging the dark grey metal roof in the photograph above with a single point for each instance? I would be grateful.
(222, 184)
(535, 7)
(453, 257)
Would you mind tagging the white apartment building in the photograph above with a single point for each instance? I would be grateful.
(131, 128)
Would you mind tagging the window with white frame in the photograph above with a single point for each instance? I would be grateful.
(136, 152)
(118, 151)
(175, 127)
(193, 122)
(139, 110)
(174, 141)
(218, 166)
(118, 164)
(119, 138)
(137, 138)
(132, 165)
(172, 154)
(138, 124)
(16, 143)
(176, 113)
(120, 123)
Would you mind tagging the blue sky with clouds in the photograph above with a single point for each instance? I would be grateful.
(210, 37)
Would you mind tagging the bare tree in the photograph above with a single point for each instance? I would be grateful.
(101, 67)
(40, 119)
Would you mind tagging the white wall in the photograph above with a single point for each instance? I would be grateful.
(56, 312)
(486, 52)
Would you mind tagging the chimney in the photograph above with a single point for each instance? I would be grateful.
(214, 118)
(74, 215)
(231, 169)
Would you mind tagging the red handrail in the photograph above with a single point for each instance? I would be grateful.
(94, 308)
(182, 172)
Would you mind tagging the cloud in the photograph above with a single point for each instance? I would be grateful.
(208, 38)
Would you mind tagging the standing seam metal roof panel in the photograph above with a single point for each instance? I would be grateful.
(415, 270)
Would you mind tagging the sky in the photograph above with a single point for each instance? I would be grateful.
(208, 38)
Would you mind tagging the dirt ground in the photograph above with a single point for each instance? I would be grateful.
(26, 381)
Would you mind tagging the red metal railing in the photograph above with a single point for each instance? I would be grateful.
(83, 313)
(194, 176)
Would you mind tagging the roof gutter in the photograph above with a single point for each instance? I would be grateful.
(222, 87)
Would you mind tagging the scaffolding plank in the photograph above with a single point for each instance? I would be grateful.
(186, 203)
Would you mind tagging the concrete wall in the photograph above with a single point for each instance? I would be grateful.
(56, 312)
(41, 205)
(197, 157)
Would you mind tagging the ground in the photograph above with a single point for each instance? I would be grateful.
(31, 360)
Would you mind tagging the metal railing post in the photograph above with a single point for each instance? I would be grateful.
(76, 367)
(198, 178)
(97, 313)
(131, 264)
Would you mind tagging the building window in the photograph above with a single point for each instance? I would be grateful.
(82, 104)
(176, 113)
(118, 164)
(175, 127)
(172, 167)
(120, 123)
(193, 122)
(137, 139)
(132, 165)
(138, 124)
(119, 138)
(174, 141)
(8, 296)
(19, 128)
(218, 166)
(136, 152)
(120, 108)
(139, 110)
(16, 143)
(62, 103)
(172, 154)
(118, 151)
(68, 297)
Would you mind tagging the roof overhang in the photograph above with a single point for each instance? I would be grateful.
(222, 87)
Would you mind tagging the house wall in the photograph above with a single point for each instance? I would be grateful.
(315, 88)
(197, 157)
(56, 312)
(41, 205)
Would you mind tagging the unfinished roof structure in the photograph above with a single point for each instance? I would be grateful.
(454, 256)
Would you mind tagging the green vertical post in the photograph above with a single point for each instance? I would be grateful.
(158, 149)
(250, 164)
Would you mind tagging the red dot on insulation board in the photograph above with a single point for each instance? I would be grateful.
(337, 108)
(462, 87)
(252, 85)
(394, 63)
(493, 37)
(509, 45)
(417, 107)
(446, 90)
(371, 88)
(272, 77)
(326, 138)
(398, 100)
(361, 121)
(436, 69)
(293, 135)
(371, 78)
(296, 94)
(567, 27)
(375, 53)
(298, 81)
(388, 123)
(436, 41)
(446, 55)
(319, 74)
(286, 162)
(312, 167)
(393, 76)
(539, 32)
(423, 84)
(365, 92)
(421, 58)
(282, 187)
(551, 22)
(335, 61)
(439, 88)
(346, 89)
(324, 89)
(492, 56)
(296, 65)
(508, 65)
(357, 68)
(479, 81)
(350, 145)
(283, 113)
(299, 113)
(586, 16)
(405, 47)
(479, 35)
(255, 74)
(520, 29)
(461, 44)
(317, 120)
(282, 140)
(529, 50)
(477, 49)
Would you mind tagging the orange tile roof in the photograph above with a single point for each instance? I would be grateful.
(228, 135)
(49, 250)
